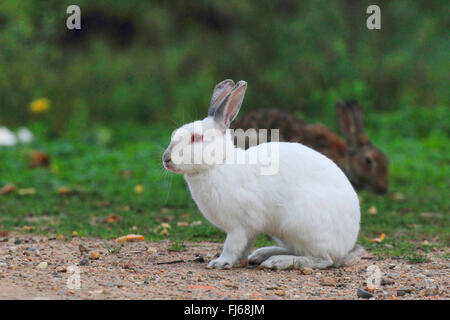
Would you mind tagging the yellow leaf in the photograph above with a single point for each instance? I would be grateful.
(130, 238)
(139, 188)
(182, 224)
(26, 191)
(165, 225)
(372, 210)
(379, 239)
(40, 105)
(165, 233)
(74, 234)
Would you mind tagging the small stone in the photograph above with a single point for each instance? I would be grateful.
(61, 269)
(306, 270)
(361, 293)
(94, 255)
(386, 281)
(82, 248)
(401, 292)
(280, 293)
(84, 262)
(431, 291)
(329, 282)
(42, 265)
(199, 258)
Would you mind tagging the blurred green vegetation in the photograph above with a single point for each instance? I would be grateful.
(157, 61)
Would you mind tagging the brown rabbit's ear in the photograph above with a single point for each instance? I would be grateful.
(350, 120)
(220, 92)
(230, 105)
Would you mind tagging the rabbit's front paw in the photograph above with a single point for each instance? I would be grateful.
(220, 263)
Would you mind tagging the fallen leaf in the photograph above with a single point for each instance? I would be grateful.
(74, 234)
(26, 191)
(165, 233)
(139, 188)
(64, 190)
(9, 188)
(379, 239)
(27, 228)
(185, 216)
(183, 224)
(103, 204)
(112, 219)
(165, 225)
(431, 215)
(39, 159)
(196, 223)
(397, 196)
(60, 236)
(372, 210)
(130, 237)
(164, 210)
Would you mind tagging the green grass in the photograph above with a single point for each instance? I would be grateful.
(103, 173)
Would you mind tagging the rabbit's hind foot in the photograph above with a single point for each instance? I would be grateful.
(282, 262)
(262, 254)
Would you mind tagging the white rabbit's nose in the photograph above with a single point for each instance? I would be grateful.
(166, 156)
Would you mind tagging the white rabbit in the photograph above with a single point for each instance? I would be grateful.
(309, 207)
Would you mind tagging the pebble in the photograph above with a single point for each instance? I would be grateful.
(42, 265)
(94, 255)
(401, 292)
(61, 269)
(386, 281)
(329, 282)
(306, 271)
(361, 293)
(84, 262)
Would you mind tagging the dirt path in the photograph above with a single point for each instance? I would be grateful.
(33, 267)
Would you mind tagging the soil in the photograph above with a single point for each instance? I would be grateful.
(36, 267)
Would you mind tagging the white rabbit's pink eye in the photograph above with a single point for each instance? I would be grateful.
(196, 138)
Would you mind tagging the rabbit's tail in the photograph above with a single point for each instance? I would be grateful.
(356, 252)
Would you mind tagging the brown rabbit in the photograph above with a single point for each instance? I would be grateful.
(364, 164)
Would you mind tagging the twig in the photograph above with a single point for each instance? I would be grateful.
(171, 262)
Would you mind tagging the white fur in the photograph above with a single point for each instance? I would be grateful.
(309, 206)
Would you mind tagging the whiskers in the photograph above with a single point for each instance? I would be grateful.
(164, 175)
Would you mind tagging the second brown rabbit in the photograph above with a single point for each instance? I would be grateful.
(365, 165)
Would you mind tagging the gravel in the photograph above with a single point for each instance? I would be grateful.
(149, 270)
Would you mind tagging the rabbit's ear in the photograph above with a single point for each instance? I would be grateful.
(350, 120)
(230, 105)
(220, 92)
